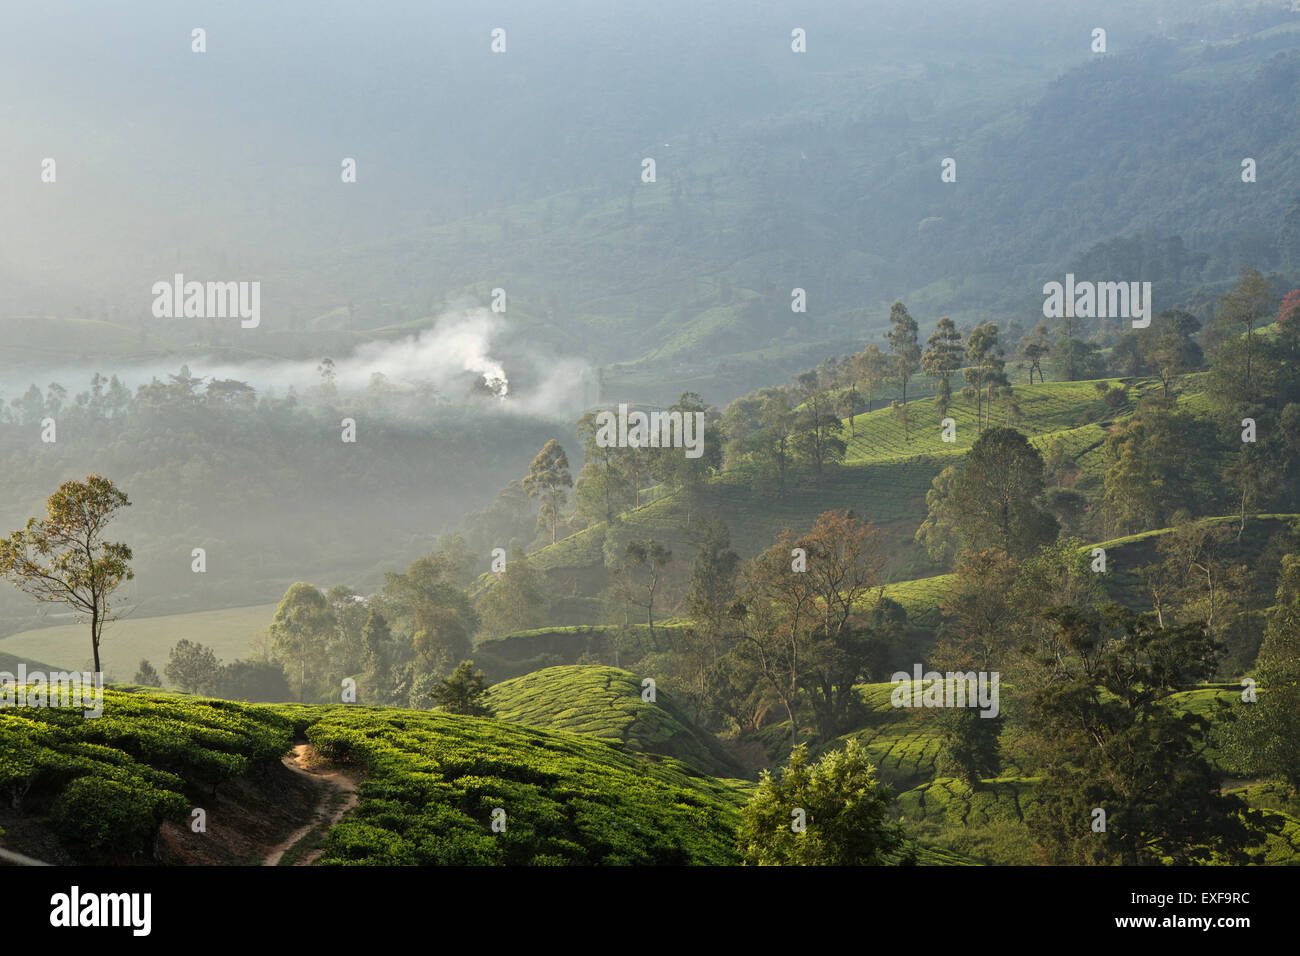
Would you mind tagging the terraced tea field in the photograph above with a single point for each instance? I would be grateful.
(607, 703)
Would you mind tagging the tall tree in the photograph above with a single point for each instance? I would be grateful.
(987, 365)
(1174, 352)
(942, 359)
(146, 675)
(759, 429)
(548, 477)
(995, 495)
(849, 404)
(63, 557)
(377, 679)
(463, 692)
(1247, 304)
(1033, 349)
(817, 436)
(798, 615)
(711, 589)
(438, 614)
(604, 488)
(650, 557)
(301, 632)
(674, 467)
(191, 666)
(1266, 738)
(870, 367)
(905, 349)
(1151, 476)
(939, 532)
(1103, 731)
(979, 612)
(516, 601)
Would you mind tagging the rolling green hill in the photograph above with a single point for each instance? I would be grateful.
(106, 784)
(884, 478)
(431, 783)
(607, 703)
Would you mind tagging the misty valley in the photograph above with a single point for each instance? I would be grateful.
(704, 435)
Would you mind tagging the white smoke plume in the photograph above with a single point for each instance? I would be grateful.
(466, 340)
(458, 342)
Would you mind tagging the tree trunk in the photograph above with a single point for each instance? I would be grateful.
(650, 614)
(1242, 530)
(905, 438)
(95, 631)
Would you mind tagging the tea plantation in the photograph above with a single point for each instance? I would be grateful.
(607, 703)
(430, 783)
(106, 784)
(434, 784)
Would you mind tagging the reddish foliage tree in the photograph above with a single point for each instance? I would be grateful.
(1289, 311)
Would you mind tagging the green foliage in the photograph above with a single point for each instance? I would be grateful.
(63, 557)
(969, 748)
(548, 477)
(433, 781)
(515, 602)
(1151, 476)
(1266, 739)
(942, 360)
(463, 692)
(828, 813)
(300, 633)
(106, 783)
(434, 610)
(904, 348)
(146, 675)
(191, 666)
(262, 681)
(991, 499)
(1107, 739)
(607, 703)
(105, 819)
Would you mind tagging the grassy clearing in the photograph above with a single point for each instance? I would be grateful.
(125, 642)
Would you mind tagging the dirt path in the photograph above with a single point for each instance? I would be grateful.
(329, 810)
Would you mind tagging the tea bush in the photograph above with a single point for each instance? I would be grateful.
(434, 780)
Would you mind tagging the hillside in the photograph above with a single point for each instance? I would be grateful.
(987, 823)
(884, 477)
(607, 703)
(431, 782)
